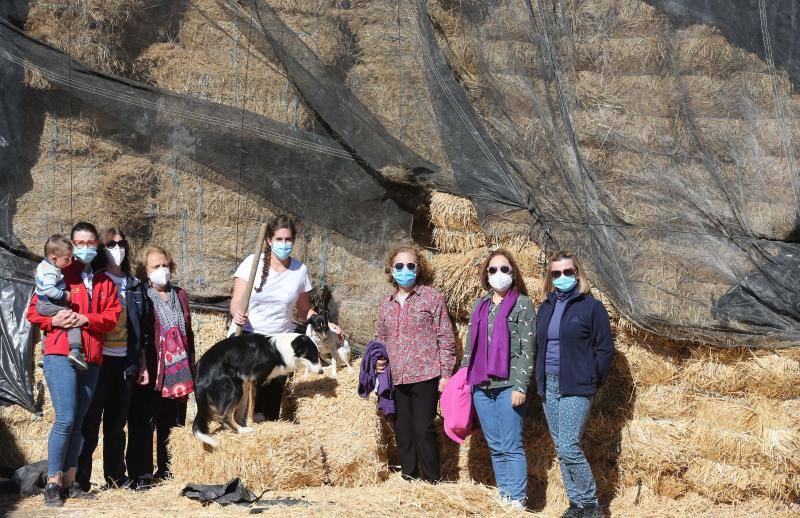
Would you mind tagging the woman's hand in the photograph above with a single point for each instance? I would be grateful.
(65, 319)
(143, 378)
(80, 320)
(239, 318)
(380, 365)
(517, 398)
(336, 329)
(442, 383)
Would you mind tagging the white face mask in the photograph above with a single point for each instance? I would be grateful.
(115, 255)
(500, 281)
(160, 276)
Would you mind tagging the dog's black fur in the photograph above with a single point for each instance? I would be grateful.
(229, 364)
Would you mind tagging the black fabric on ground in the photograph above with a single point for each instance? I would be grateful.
(234, 492)
(32, 478)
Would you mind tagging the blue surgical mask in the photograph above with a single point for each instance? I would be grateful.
(85, 254)
(282, 250)
(405, 277)
(565, 283)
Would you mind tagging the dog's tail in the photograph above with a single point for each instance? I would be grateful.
(200, 425)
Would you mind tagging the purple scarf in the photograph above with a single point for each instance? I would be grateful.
(485, 362)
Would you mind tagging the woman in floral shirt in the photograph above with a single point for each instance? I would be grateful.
(415, 327)
(499, 360)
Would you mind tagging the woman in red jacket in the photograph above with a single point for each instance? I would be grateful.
(166, 378)
(95, 309)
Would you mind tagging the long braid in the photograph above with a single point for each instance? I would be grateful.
(265, 266)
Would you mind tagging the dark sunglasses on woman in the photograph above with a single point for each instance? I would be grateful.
(122, 243)
(493, 269)
(399, 266)
(569, 272)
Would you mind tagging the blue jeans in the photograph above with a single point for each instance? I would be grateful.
(502, 428)
(566, 418)
(71, 393)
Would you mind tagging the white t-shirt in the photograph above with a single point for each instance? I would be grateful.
(270, 310)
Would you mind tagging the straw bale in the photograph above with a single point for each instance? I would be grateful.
(449, 212)
(450, 241)
(351, 443)
(729, 483)
(632, 55)
(727, 446)
(456, 277)
(265, 459)
(656, 453)
(209, 328)
(23, 435)
(727, 414)
(663, 402)
(773, 375)
(648, 367)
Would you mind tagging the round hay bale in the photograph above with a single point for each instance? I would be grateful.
(268, 458)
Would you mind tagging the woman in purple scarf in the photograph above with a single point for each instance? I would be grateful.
(499, 357)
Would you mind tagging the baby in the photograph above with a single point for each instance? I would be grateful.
(53, 295)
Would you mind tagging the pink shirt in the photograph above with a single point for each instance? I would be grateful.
(418, 336)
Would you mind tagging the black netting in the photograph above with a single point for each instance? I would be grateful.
(660, 149)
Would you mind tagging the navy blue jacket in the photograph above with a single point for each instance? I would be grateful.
(587, 348)
(136, 307)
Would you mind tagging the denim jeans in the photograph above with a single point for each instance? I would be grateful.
(502, 428)
(71, 393)
(566, 418)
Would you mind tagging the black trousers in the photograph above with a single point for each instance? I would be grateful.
(417, 441)
(110, 404)
(268, 399)
(150, 413)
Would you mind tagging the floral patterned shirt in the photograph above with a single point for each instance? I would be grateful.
(521, 322)
(418, 336)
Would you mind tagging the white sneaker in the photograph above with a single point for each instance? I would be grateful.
(510, 503)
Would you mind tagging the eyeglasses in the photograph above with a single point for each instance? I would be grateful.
(569, 272)
(122, 243)
(81, 244)
(410, 266)
(493, 269)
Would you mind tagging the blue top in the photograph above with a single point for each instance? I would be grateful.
(586, 346)
(553, 354)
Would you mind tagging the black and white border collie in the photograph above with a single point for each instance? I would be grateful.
(329, 344)
(236, 366)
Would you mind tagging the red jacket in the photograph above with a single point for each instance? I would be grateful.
(102, 311)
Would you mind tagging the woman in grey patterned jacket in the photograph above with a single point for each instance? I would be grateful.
(499, 357)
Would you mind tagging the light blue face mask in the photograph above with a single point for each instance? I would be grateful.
(405, 277)
(85, 254)
(282, 250)
(565, 283)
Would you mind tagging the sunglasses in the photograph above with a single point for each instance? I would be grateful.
(569, 272)
(81, 244)
(493, 269)
(122, 243)
(410, 266)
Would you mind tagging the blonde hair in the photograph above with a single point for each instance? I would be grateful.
(583, 280)
(141, 264)
(423, 271)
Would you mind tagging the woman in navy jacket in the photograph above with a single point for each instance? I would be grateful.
(573, 357)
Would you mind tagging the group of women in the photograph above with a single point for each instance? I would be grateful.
(139, 345)
(565, 349)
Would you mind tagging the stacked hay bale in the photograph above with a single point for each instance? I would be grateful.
(329, 435)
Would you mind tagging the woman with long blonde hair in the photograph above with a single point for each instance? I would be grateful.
(574, 355)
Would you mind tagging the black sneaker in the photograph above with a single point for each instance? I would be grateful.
(77, 492)
(144, 483)
(593, 511)
(573, 511)
(52, 495)
(77, 360)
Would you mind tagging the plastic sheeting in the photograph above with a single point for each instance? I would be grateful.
(676, 180)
